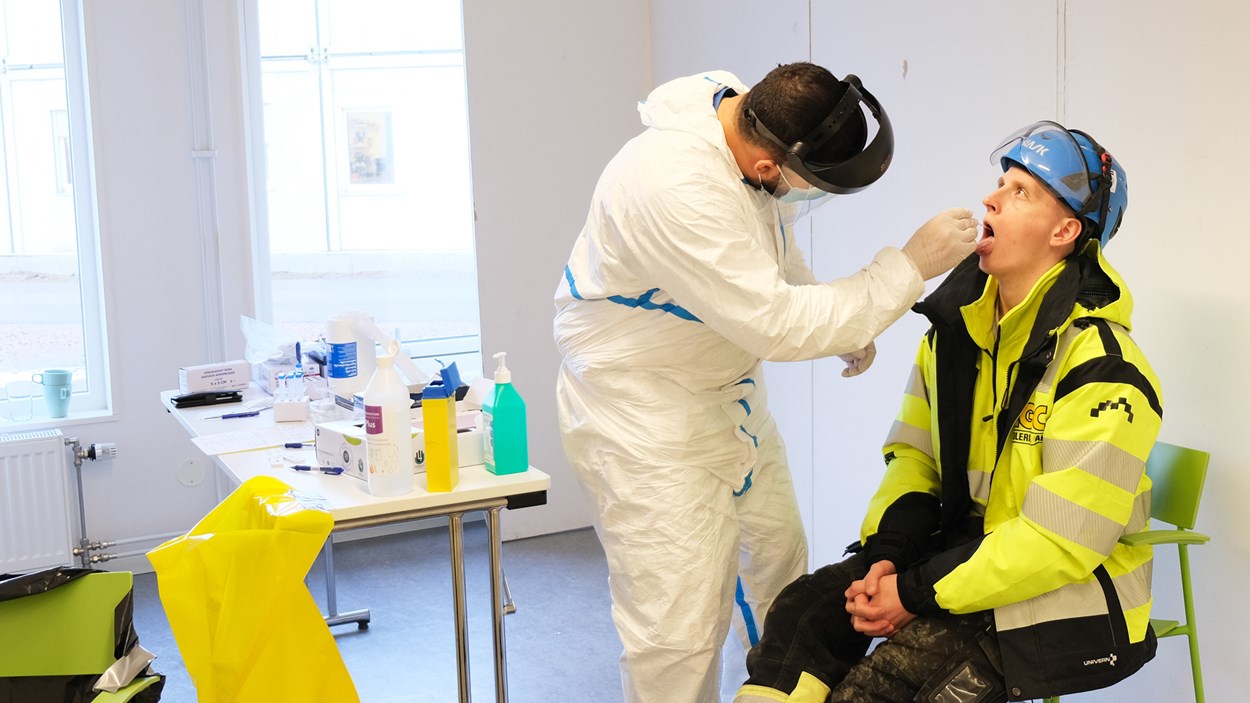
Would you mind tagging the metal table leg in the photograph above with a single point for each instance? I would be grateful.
(497, 605)
(456, 528)
(462, 626)
(360, 617)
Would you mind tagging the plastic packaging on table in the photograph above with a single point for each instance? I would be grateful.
(246, 625)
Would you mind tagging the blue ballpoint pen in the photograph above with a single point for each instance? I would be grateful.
(331, 470)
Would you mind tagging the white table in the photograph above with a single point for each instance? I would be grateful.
(352, 507)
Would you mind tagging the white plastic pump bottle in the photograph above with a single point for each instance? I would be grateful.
(388, 429)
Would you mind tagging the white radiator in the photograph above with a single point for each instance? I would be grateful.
(35, 516)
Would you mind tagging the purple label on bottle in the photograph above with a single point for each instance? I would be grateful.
(373, 419)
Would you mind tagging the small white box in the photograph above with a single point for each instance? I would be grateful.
(342, 443)
(291, 410)
(226, 376)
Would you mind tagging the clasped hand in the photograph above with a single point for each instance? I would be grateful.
(874, 604)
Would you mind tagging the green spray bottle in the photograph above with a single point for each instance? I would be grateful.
(505, 446)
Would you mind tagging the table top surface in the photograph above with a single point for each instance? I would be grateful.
(346, 497)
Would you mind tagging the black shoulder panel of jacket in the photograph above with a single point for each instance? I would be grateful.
(1111, 368)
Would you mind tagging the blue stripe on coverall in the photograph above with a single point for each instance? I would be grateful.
(747, 617)
(643, 301)
(740, 595)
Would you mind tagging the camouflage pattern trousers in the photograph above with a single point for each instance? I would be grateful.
(808, 635)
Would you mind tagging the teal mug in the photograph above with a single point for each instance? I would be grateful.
(58, 388)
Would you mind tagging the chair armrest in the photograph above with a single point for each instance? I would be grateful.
(1164, 537)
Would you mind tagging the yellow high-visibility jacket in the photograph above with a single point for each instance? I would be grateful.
(1015, 465)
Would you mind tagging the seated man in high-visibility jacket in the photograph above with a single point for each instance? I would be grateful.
(989, 556)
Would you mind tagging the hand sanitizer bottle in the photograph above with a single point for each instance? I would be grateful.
(505, 447)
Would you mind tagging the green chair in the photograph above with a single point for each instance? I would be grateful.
(67, 631)
(1178, 474)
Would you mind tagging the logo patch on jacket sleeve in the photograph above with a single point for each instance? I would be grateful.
(1107, 405)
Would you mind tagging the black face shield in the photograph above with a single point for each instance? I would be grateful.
(849, 175)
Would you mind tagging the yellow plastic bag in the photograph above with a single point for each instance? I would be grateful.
(248, 629)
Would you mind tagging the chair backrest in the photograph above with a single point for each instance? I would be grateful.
(68, 630)
(1178, 474)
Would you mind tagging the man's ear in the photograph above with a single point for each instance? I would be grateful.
(1067, 233)
(765, 168)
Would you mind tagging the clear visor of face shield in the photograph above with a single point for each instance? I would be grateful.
(796, 197)
(1050, 153)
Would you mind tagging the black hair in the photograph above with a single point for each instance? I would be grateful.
(791, 101)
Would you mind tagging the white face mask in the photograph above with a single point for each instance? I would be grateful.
(788, 193)
(795, 203)
(799, 195)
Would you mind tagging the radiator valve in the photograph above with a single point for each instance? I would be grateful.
(96, 451)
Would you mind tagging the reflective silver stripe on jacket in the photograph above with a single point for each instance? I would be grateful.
(1071, 521)
(1102, 459)
(915, 384)
(1076, 600)
(903, 433)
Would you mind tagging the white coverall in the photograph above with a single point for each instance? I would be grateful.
(679, 284)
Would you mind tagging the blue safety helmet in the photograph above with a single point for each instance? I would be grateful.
(1073, 167)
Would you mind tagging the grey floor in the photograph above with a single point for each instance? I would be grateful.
(561, 645)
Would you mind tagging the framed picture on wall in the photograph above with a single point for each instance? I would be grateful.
(370, 156)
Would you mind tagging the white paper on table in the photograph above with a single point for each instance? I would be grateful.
(246, 440)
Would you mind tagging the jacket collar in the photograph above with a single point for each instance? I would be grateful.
(1079, 286)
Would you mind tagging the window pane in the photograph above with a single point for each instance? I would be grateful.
(296, 170)
(354, 26)
(42, 207)
(39, 39)
(287, 27)
(420, 200)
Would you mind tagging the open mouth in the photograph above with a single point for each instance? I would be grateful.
(987, 239)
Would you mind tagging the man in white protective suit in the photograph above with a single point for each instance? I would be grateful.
(685, 277)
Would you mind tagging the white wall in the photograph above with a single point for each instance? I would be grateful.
(1155, 87)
